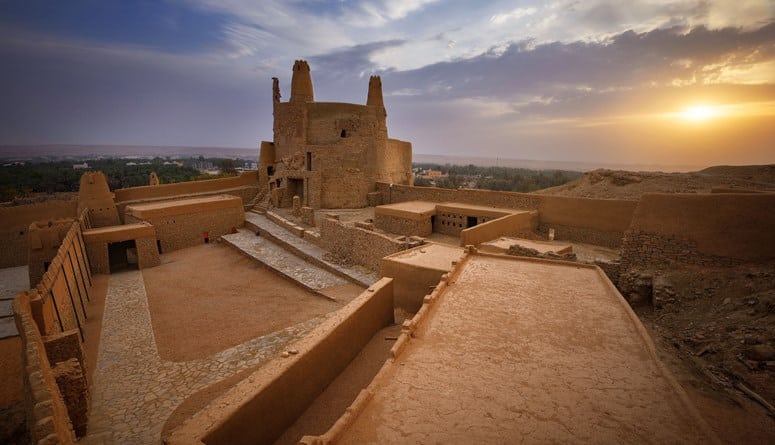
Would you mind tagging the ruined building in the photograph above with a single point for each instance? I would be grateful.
(330, 154)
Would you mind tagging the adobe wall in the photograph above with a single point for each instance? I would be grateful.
(357, 245)
(179, 231)
(15, 224)
(394, 163)
(94, 195)
(97, 241)
(261, 407)
(708, 230)
(401, 193)
(410, 283)
(47, 417)
(403, 226)
(150, 193)
(44, 237)
(593, 221)
(59, 299)
(503, 226)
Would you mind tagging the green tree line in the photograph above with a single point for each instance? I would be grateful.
(494, 178)
(19, 180)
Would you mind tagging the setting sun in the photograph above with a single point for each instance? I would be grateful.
(700, 113)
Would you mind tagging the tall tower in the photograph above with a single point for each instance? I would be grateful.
(375, 92)
(301, 83)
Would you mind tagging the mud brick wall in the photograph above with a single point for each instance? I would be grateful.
(582, 235)
(65, 288)
(70, 376)
(595, 221)
(654, 251)
(402, 193)
(186, 230)
(167, 191)
(47, 417)
(702, 229)
(403, 226)
(16, 220)
(357, 245)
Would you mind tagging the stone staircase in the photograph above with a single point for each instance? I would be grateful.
(261, 205)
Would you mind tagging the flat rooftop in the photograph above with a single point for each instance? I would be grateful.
(183, 206)
(503, 243)
(429, 256)
(119, 233)
(425, 209)
(517, 350)
(409, 209)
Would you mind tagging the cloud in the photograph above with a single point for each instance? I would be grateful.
(627, 60)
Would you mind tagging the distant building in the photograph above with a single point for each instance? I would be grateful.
(80, 166)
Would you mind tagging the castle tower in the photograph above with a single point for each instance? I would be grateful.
(375, 92)
(301, 83)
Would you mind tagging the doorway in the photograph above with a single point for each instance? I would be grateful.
(122, 255)
(471, 221)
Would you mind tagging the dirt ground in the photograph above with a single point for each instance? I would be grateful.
(208, 298)
(618, 184)
(717, 332)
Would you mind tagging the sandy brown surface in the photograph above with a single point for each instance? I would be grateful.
(332, 403)
(11, 387)
(619, 184)
(91, 329)
(526, 351)
(208, 298)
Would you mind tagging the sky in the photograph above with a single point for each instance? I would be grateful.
(657, 82)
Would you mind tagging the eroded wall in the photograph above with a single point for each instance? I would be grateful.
(16, 220)
(47, 417)
(357, 245)
(94, 195)
(708, 230)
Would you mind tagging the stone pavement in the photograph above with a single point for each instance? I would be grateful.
(12, 281)
(283, 262)
(304, 248)
(134, 391)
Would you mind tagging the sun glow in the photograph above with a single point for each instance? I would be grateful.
(700, 113)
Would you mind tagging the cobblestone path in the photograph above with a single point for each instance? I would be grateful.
(134, 391)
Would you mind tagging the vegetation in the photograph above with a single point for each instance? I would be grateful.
(19, 180)
(492, 178)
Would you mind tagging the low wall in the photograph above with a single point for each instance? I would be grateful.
(152, 192)
(403, 226)
(59, 301)
(47, 417)
(16, 221)
(356, 245)
(593, 221)
(510, 200)
(179, 231)
(260, 408)
(708, 229)
(503, 226)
